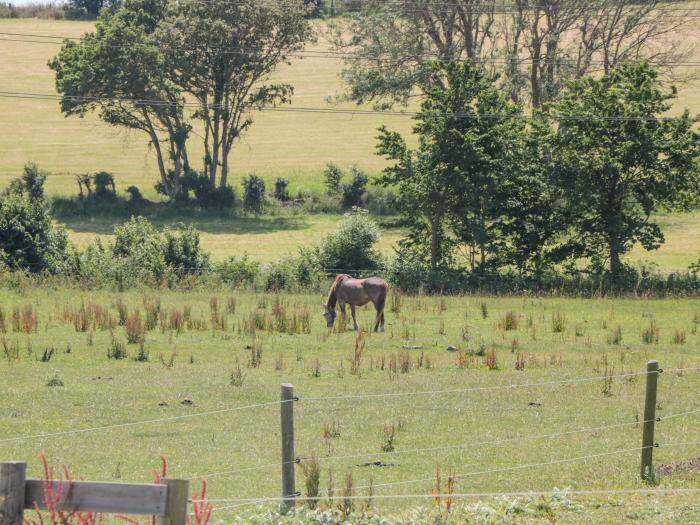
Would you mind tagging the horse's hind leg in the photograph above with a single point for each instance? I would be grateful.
(379, 322)
(354, 320)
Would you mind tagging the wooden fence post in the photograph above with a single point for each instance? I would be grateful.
(288, 458)
(649, 420)
(175, 503)
(13, 478)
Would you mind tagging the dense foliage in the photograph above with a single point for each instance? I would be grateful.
(576, 187)
(253, 194)
(350, 248)
(28, 238)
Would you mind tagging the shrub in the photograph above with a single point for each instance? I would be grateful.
(28, 238)
(33, 180)
(281, 191)
(332, 176)
(206, 195)
(354, 193)
(322, 203)
(183, 253)
(104, 186)
(142, 254)
(138, 240)
(135, 196)
(238, 271)
(350, 247)
(253, 194)
(382, 201)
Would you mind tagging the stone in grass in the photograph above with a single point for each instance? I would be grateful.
(452, 348)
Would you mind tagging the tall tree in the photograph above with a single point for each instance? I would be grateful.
(458, 178)
(120, 73)
(223, 53)
(619, 159)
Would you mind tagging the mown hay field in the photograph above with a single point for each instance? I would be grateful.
(205, 354)
(292, 145)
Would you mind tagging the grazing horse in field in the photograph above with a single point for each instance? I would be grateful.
(356, 292)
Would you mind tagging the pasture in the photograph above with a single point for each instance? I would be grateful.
(68, 366)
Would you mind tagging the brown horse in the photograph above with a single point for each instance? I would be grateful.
(356, 292)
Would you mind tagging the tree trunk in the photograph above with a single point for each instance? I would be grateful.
(161, 164)
(434, 241)
(213, 167)
(224, 151)
(615, 263)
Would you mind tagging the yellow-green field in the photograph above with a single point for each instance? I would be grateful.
(293, 145)
(498, 438)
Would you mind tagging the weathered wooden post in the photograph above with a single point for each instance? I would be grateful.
(175, 503)
(649, 420)
(13, 480)
(288, 459)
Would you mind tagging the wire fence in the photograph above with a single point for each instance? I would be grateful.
(430, 451)
(337, 111)
(459, 446)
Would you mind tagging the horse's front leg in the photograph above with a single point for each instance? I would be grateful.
(354, 320)
(342, 310)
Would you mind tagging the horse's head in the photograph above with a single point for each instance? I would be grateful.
(329, 314)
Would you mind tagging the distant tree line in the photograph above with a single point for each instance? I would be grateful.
(535, 46)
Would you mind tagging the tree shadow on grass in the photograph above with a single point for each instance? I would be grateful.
(233, 225)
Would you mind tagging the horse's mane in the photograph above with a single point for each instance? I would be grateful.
(332, 296)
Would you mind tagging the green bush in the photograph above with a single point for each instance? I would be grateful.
(33, 180)
(350, 247)
(138, 240)
(105, 188)
(183, 253)
(333, 177)
(382, 201)
(281, 191)
(300, 273)
(238, 271)
(140, 254)
(253, 194)
(354, 193)
(321, 203)
(30, 184)
(28, 238)
(206, 195)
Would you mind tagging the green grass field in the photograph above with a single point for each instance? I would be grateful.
(212, 369)
(98, 391)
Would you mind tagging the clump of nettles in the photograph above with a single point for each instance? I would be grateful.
(54, 380)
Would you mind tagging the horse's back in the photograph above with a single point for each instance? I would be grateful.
(377, 282)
